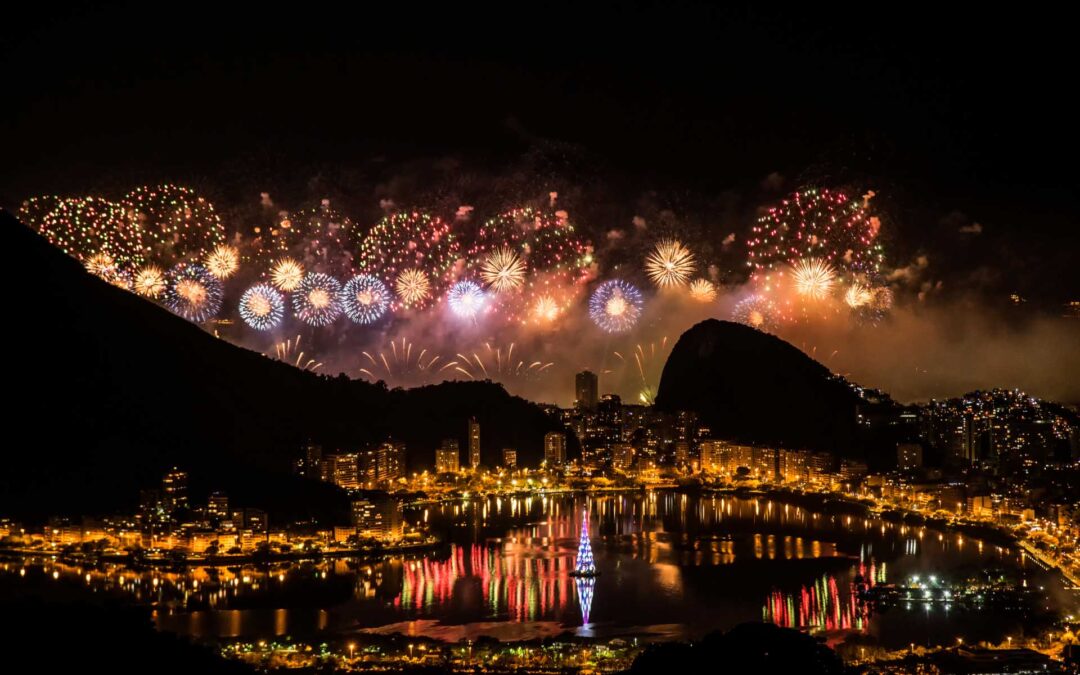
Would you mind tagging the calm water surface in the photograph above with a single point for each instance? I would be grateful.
(671, 566)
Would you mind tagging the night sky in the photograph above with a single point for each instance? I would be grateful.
(954, 119)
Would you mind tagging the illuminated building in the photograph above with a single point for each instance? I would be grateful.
(622, 456)
(447, 457)
(310, 465)
(218, 505)
(713, 456)
(586, 390)
(150, 506)
(765, 463)
(739, 456)
(343, 470)
(390, 462)
(174, 494)
(682, 453)
(255, 520)
(380, 518)
(795, 466)
(818, 464)
(851, 470)
(686, 425)
(555, 448)
(509, 458)
(1003, 428)
(474, 444)
(367, 467)
(909, 456)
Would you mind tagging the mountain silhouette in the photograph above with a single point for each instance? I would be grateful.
(754, 387)
(109, 390)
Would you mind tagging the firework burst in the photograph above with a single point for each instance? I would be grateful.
(873, 307)
(616, 305)
(365, 299)
(413, 288)
(287, 274)
(102, 265)
(90, 226)
(150, 282)
(33, 210)
(466, 299)
(545, 310)
(223, 261)
(702, 290)
(193, 293)
(553, 247)
(813, 277)
(669, 264)
(179, 224)
(858, 295)
(262, 307)
(757, 311)
(410, 240)
(503, 270)
(822, 224)
(319, 236)
(545, 241)
(316, 300)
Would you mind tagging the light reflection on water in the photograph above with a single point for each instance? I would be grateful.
(670, 564)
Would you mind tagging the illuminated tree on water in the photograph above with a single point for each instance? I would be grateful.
(585, 565)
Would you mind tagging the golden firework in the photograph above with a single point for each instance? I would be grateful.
(702, 290)
(102, 265)
(319, 298)
(814, 278)
(150, 282)
(287, 274)
(670, 263)
(858, 295)
(503, 269)
(193, 292)
(223, 261)
(412, 286)
(545, 309)
(616, 305)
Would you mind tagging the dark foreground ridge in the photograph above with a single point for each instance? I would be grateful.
(754, 387)
(109, 390)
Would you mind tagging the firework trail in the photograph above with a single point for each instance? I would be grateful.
(289, 352)
(403, 362)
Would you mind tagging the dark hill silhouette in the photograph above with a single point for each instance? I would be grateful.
(108, 390)
(754, 387)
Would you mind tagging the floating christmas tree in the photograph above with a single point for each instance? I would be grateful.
(585, 566)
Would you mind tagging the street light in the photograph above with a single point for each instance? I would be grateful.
(352, 648)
